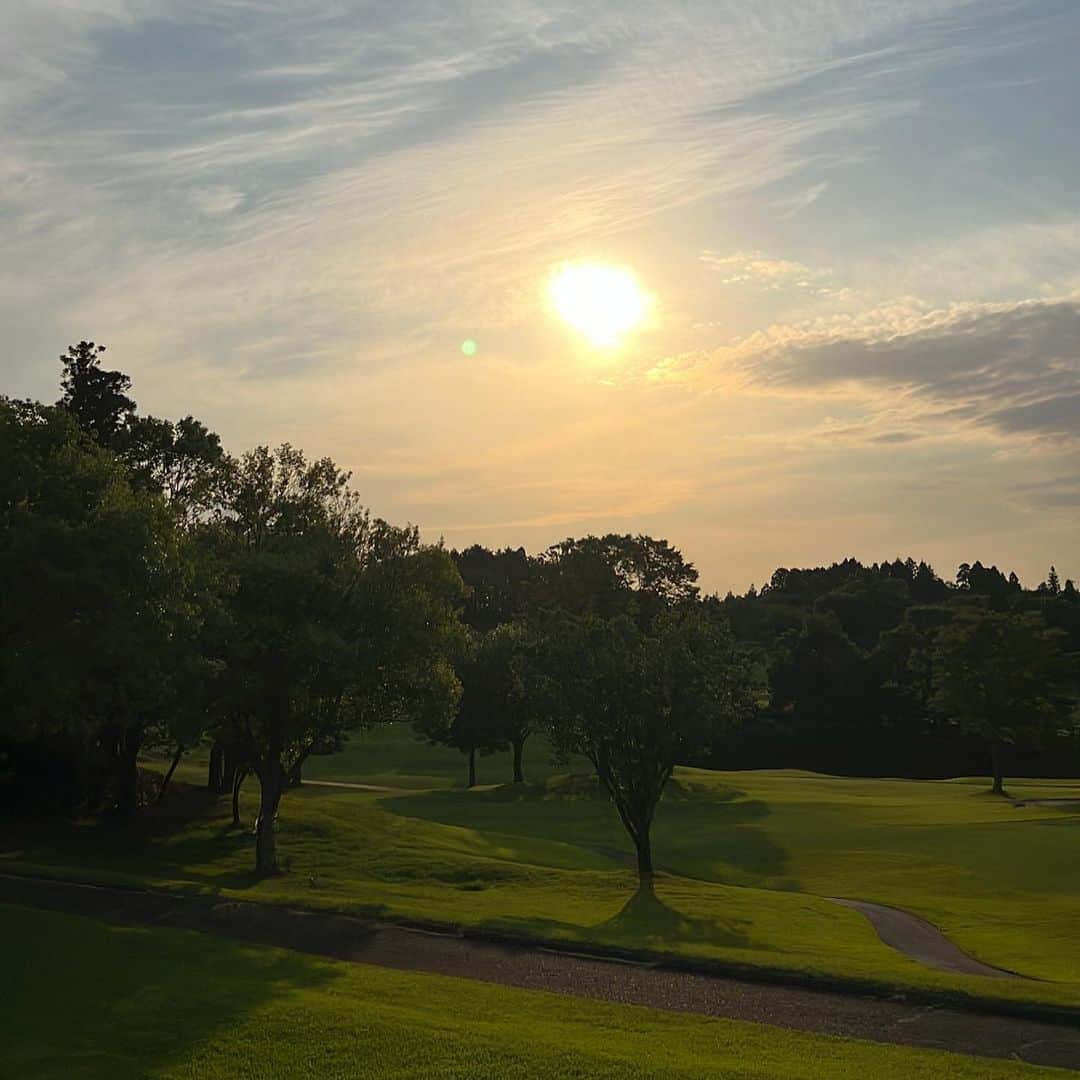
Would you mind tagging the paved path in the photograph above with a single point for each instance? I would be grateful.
(362, 941)
(921, 940)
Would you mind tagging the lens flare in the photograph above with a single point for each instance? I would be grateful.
(602, 302)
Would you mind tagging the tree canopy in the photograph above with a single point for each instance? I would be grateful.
(638, 702)
(1001, 677)
(337, 619)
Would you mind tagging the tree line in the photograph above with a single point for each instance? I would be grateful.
(161, 594)
(887, 669)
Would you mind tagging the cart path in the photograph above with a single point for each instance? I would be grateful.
(922, 941)
(534, 968)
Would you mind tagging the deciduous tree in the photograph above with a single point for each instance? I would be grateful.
(638, 702)
(339, 620)
(1000, 677)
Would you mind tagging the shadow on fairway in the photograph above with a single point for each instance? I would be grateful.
(721, 837)
(96, 999)
(700, 831)
(647, 918)
(645, 921)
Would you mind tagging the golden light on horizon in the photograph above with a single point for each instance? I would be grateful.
(602, 302)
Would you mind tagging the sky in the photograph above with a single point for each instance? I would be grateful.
(857, 221)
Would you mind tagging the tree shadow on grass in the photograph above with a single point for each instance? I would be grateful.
(722, 838)
(645, 917)
(185, 838)
(701, 831)
(133, 999)
(646, 923)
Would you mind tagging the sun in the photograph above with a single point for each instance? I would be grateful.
(602, 302)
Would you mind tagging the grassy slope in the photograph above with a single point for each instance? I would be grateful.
(95, 1001)
(388, 756)
(1001, 881)
(551, 861)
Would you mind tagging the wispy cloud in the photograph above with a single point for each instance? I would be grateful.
(287, 217)
(1011, 367)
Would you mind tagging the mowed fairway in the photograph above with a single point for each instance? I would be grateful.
(85, 1000)
(389, 756)
(747, 860)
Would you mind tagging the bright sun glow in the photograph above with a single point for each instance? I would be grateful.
(603, 302)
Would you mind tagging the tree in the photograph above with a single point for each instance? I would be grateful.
(866, 607)
(638, 702)
(338, 620)
(817, 678)
(496, 581)
(528, 704)
(95, 397)
(999, 676)
(502, 700)
(184, 462)
(100, 618)
(605, 574)
(488, 687)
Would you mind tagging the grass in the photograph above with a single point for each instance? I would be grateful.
(747, 859)
(97, 1001)
(386, 756)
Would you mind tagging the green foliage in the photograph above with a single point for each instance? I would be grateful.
(1000, 676)
(101, 618)
(337, 619)
(600, 574)
(816, 675)
(636, 703)
(184, 462)
(497, 583)
(96, 398)
(502, 701)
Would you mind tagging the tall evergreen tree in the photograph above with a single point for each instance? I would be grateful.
(97, 398)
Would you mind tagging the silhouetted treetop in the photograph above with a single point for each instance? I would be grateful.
(97, 398)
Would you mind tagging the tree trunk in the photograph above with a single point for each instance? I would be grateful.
(995, 760)
(216, 773)
(644, 859)
(270, 795)
(296, 773)
(472, 766)
(169, 775)
(519, 772)
(238, 783)
(127, 772)
(234, 762)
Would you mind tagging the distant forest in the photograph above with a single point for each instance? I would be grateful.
(847, 652)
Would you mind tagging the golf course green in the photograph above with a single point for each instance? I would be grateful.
(747, 863)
